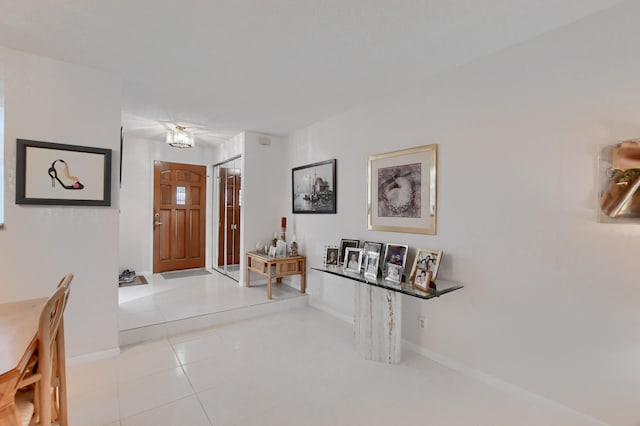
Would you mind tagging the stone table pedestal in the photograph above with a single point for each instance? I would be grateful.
(378, 312)
(378, 323)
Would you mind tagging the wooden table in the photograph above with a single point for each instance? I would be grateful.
(277, 267)
(18, 341)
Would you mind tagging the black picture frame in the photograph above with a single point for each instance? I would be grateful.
(308, 194)
(344, 243)
(121, 153)
(331, 256)
(44, 178)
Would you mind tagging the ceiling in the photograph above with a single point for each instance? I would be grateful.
(271, 66)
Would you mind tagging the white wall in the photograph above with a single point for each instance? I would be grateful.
(136, 196)
(231, 148)
(52, 101)
(551, 300)
(263, 191)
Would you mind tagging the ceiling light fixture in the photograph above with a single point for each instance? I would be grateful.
(180, 137)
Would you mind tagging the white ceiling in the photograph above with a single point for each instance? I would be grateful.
(271, 65)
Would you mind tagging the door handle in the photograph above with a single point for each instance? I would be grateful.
(157, 223)
(155, 220)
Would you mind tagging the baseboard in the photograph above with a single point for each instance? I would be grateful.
(496, 382)
(263, 281)
(328, 310)
(289, 282)
(176, 327)
(93, 356)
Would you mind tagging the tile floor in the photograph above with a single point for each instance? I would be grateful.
(233, 271)
(293, 368)
(164, 300)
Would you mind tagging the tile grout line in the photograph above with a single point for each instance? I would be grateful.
(206, 414)
(150, 374)
(154, 408)
(190, 384)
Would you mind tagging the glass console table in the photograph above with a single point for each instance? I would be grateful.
(378, 312)
(441, 286)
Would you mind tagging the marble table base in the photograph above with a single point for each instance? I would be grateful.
(378, 314)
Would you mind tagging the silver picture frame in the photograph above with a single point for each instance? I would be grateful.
(352, 260)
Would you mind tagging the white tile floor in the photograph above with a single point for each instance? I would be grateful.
(164, 300)
(233, 271)
(293, 368)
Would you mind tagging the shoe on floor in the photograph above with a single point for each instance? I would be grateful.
(127, 276)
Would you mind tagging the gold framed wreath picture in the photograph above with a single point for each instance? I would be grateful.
(402, 190)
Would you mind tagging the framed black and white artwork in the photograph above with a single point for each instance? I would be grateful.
(313, 188)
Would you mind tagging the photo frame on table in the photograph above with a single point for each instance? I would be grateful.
(422, 279)
(427, 259)
(402, 190)
(394, 273)
(344, 244)
(65, 175)
(313, 188)
(352, 259)
(371, 266)
(281, 248)
(331, 254)
(395, 254)
(368, 247)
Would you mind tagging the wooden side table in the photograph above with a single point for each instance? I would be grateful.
(276, 267)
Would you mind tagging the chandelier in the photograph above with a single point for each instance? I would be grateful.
(180, 137)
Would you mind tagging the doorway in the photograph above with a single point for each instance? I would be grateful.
(179, 205)
(228, 190)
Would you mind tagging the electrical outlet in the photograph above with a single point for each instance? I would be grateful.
(422, 322)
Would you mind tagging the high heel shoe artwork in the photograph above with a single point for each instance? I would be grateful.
(60, 170)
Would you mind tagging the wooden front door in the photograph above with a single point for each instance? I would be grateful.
(179, 216)
(229, 223)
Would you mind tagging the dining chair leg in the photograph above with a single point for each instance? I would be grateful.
(45, 392)
(62, 377)
(36, 402)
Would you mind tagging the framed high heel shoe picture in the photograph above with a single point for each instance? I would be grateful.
(67, 175)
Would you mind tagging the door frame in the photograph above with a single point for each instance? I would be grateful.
(223, 209)
(156, 265)
(215, 200)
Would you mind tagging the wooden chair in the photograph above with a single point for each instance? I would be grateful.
(50, 394)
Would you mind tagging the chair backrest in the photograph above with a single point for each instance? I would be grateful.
(51, 316)
(65, 281)
(48, 352)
